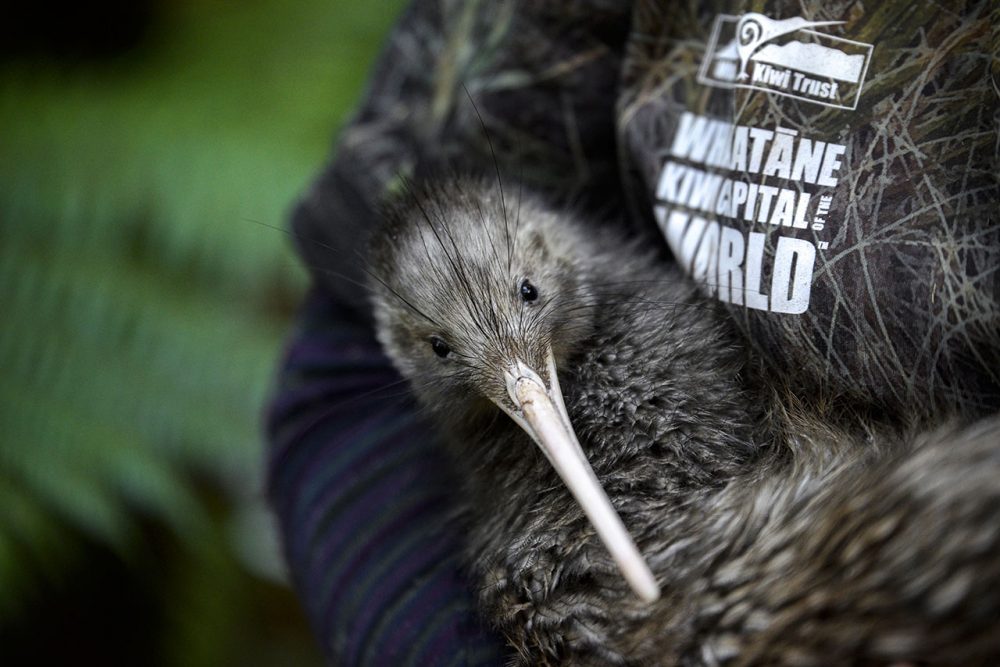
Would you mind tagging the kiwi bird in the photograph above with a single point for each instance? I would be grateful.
(634, 493)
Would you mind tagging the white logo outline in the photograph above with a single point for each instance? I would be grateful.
(755, 50)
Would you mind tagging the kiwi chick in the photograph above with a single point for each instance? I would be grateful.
(748, 530)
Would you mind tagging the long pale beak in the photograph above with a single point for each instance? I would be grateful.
(540, 411)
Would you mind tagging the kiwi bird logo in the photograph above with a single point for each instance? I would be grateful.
(754, 30)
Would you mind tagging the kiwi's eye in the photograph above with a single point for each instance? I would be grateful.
(440, 347)
(528, 291)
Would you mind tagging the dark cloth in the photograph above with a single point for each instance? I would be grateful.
(882, 287)
(362, 496)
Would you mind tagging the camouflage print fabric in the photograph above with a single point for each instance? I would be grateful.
(579, 97)
(905, 284)
(542, 76)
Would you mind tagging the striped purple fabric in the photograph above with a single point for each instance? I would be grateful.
(363, 498)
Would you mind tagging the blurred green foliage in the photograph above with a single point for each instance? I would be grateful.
(144, 295)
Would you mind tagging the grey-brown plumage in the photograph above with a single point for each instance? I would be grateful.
(779, 531)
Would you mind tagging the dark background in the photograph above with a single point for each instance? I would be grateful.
(148, 152)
